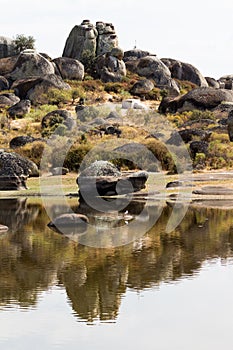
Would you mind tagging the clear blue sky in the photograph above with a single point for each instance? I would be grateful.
(200, 32)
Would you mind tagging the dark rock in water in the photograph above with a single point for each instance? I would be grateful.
(69, 223)
(102, 178)
(20, 109)
(14, 171)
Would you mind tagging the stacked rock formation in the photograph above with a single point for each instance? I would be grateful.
(86, 37)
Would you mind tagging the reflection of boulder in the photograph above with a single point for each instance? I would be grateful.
(15, 213)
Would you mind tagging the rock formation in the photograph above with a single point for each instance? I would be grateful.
(94, 39)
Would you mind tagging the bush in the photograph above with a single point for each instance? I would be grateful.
(32, 151)
(22, 42)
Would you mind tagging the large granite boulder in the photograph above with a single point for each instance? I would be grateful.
(205, 98)
(69, 68)
(7, 64)
(8, 99)
(153, 68)
(135, 54)
(14, 171)
(142, 87)
(7, 47)
(110, 67)
(35, 88)
(20, 109)
(198, 147)
(108, 180)
(212, 82)
(88, 38)
(31, 64)
(185, 71)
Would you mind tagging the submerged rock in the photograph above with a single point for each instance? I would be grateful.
(69, 223)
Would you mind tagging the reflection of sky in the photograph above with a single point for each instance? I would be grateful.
(199, 33)
(190, 314)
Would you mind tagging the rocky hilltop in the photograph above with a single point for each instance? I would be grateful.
(96, 91)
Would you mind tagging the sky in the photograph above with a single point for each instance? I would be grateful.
(198, 32)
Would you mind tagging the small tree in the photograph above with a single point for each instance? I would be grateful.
(22, 42)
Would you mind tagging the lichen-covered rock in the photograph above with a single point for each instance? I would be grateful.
(20, 109)
(101, 168)
(14, 171)
(185, 71)
(69, 68)
(230, 125)
(110, 67)
(8, 99)
(142, 87)
(31, 64)
(92, 39)
(153, 68)
(135, 54)
(35, 89)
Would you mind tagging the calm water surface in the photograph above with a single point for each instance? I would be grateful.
(163, 291)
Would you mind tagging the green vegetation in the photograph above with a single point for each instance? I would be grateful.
(22, 42)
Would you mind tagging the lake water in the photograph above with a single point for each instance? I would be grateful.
(163, 291)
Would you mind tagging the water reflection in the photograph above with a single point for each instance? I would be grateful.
(33, 258)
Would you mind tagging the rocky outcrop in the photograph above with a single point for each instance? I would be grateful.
(110, 67)
(88, 38)
(69, 68)
(200, 98)
(153, 68)
(106, 179)
(31, 64)
(135, 54)
(14, 171)
(6, 47)
(185, 71)
(19, 109)
(187, 135)
(36, 88)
